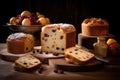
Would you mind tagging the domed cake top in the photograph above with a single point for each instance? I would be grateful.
(16, 35)
(61, 26)
(95, 22)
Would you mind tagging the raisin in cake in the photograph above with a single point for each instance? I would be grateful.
(78, 55)
(27, 63)
(20, 43)
(55, 38)
(95, 27)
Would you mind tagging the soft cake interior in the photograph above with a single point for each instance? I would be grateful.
(53, 40)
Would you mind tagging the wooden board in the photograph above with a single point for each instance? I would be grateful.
(5, 55)
(61, 64)
(8, 56)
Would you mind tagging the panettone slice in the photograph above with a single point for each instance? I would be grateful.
(27, 63)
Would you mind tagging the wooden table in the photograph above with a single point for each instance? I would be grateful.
(108, 72)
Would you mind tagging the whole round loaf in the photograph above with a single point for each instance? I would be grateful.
(95, 27)
(20, 43)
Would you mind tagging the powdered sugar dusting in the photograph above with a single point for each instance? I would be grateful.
(59, 25)
(16, 35)
(64, 26)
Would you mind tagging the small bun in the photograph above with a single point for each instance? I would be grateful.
(26, 13)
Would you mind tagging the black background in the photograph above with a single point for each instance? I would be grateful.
(63, 11)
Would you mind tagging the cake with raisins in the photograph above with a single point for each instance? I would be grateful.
(27, 63)
(55, 38)
(78, 55)
(95, 27)
(20, 43)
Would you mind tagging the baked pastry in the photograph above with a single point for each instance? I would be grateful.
(78, 55)
(20, 43)
(27, 63)
(55, 38)
(95, 27)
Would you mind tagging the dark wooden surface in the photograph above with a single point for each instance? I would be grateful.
(108, 72)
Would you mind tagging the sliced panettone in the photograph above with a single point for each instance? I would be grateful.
(55, 38)
(78, 55)
(27, 63)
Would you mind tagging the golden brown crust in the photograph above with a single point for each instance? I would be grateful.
(70, 42)
(95, 27)
(95, 22)
(18, 45)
